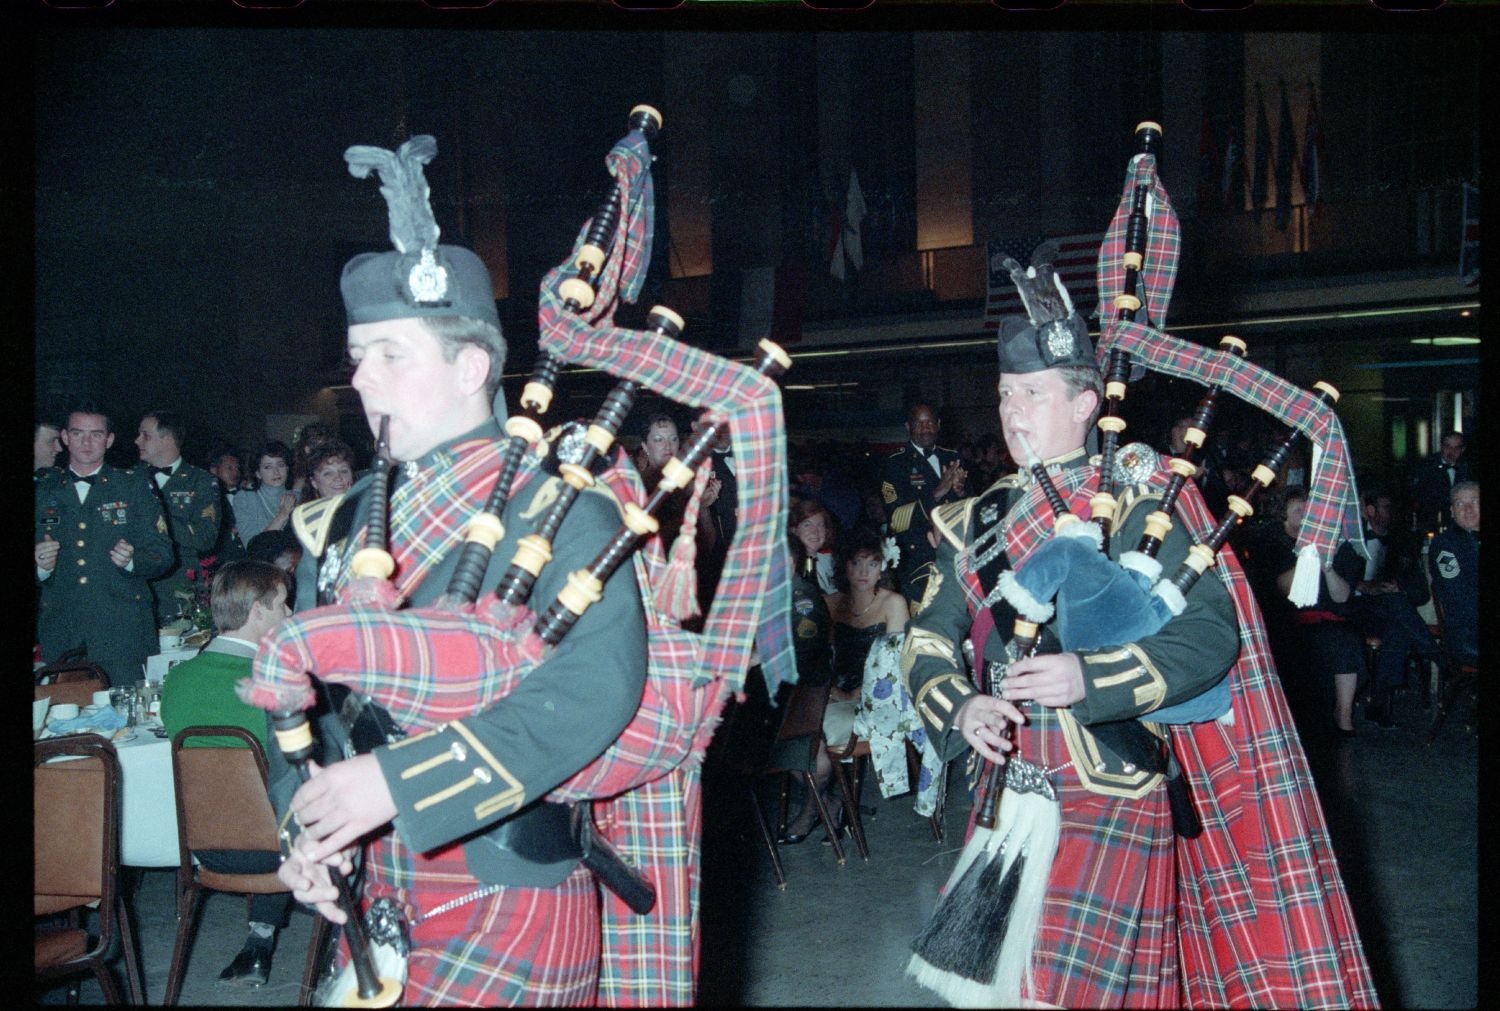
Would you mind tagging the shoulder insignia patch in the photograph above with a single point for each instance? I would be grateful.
(888, 492)
(934, 582)
(312, 521)
(544, 497)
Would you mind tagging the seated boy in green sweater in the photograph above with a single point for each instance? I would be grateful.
(249, 600)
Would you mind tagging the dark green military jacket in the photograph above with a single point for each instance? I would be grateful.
(908, 487)
(462, 780)
(1121, 682)
(191, 501)
(88, 600)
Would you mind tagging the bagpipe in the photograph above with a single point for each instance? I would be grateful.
(975, 949)
(371, 654)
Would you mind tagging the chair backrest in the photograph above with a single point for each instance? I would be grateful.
(804, 712)
(79, 671)
(75, 824)
(222, 802)
(80, 693)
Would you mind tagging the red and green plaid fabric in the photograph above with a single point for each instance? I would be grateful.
(746, 602)
(1259, 915)
(1163, 244)
(1333, 502)
(651, 773)
(517, 946)
(1265, 920)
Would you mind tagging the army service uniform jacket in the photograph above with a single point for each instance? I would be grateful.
(461, 781)
(191, 502)
(907, 488)
(88, 600)
(1121, 682)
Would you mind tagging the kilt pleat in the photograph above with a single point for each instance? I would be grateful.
(1107, 925)
(516, 947)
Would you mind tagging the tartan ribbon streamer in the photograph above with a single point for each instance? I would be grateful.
(1163, 243)
(1333, 502)
(753, 598)
(1264, 917)
(624, 273)
(651, 773)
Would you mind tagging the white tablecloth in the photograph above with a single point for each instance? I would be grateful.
(148, 805)
(148, 814)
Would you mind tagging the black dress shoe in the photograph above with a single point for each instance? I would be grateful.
(792, 838)
(251, 967)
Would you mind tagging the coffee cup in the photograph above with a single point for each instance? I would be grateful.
(101, 698)
(65, 711)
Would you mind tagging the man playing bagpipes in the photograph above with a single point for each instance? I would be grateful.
(1134, 863)
(497, 911)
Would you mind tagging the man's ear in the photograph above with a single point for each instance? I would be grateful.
(109, 440)
(474, 368)
(1084, 404)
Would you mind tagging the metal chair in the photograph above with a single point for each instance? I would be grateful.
(1453, 675)
(76, 863)
(73, 681)
(222, 804)
(759, 740)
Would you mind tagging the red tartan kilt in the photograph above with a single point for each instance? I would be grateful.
(519, 946)
(1107, 937)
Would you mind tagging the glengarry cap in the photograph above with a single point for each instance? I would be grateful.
(420, 277)
(1052, 334)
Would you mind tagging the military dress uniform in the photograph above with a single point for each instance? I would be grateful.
(88, 600)
(456, 786)
(908, 487)
(1115, 851)
(1453, 566)
(191, 502)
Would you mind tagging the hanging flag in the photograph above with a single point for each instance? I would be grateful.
(1312, 153)
(1208, 166)
(854, 213)
(771, 303)
(835, 253)
(1073, 256)
(1232, 182)
(1260, 183)
(1468, 256)
(1286, 161)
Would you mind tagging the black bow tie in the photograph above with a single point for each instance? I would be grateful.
(86, 479)
(162, 470)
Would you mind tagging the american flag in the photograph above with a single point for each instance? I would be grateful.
(1074, 257)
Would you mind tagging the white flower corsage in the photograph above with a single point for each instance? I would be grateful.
(890, 554)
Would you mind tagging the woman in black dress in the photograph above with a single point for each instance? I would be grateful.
(865, 608)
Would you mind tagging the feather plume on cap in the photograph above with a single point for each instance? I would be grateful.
(404, 186)
(1041, 291)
